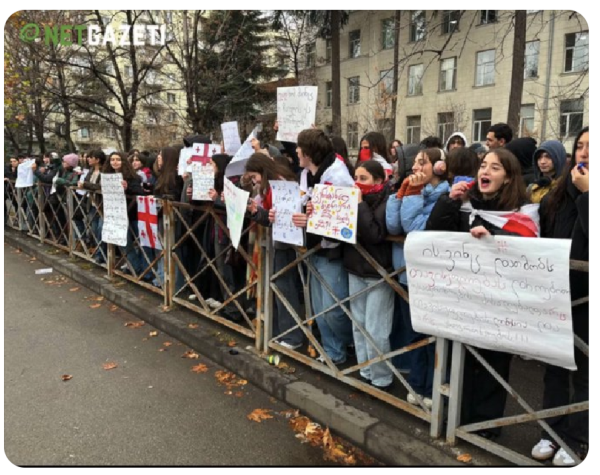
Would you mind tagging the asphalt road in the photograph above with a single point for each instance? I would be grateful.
(151, 409)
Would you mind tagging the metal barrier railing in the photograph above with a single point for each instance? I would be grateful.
(196, 252)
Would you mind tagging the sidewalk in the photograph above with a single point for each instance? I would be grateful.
(386, 433)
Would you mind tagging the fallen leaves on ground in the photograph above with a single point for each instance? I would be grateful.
(113, 308)
(110, 365)
(18, 251)
(190, 355)
(96, 305)
(66, 377)
(135, 324)
(153, 334)
(193, 325)
(200, 368)
(259, 415)
(286, 368)
(229, 380)
(290, 413)
(74, 289)
(33, 259)
(99, 298)
(162, 349)
(167, 343)
(466, 458)
(231, 343)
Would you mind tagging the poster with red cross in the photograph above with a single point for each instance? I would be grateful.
(148, 222)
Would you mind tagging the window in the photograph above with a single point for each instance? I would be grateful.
(577, 52)
(110, 132)
(488, 16)
(417, 25)
(328, 93)
(571, 117)
(84, 133)
(328, 50)
(448, 75)
(311, 55)
(385, 127)
(482, 121)
(526, 121)
(450, 21)
(387, 33)
(329, 129)
(485, 67)
(532, 53)
(413, 129)
(354, 90)
(352, 135)
(169, 16)
(171, 117)
(415, 77)
(354, 40)
(386, 82)
(170, 98)
(445, 126)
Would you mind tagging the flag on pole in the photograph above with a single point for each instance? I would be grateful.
(148, 222)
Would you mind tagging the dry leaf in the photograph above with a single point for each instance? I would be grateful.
(162, 349)
(232, 343)
(98, 299)
(135, 324)
(153, 334)
(191, 355)
(200, 368)
(96, 305)
(239, 394)
(113, 308)
(167, 343)
(193, 325)
(74, 289)
(259, 415)
(312, 352)
(110, 365)
(466, 458)
(66, 377)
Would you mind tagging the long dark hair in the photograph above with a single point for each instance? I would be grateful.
(167, 179)
(513, 195)
(340, 147)
(269, 170)
(375, 169)
(126, 169)
(556, 197)
(377, 144)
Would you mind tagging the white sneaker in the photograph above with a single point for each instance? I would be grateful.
(285, 344)
(212, 303)
(413, 400)
(192, 297)
(543, 450)
(563, 459)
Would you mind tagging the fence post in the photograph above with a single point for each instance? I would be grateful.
(456, 386)
(111, 261)
(71, 220)
(20, 209)
(441, 364)
(41, 201)
(268, 293)
(169, 265)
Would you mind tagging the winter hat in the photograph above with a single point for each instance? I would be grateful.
(523, 149)
(456, 134)
(557, 153)
(71, 159)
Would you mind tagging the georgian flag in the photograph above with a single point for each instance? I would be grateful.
(202, 152)
(148, 222)
(524, 222)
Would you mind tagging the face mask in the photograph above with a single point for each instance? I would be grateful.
(369, 189)
(364, 155)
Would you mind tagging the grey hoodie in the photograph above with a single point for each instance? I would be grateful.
(557, 153)
(459, 134)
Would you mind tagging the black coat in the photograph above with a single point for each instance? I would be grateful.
(371, 233)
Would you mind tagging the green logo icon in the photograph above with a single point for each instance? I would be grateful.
(29, 32)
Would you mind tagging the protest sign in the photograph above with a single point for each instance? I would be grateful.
(203, 177)
(81, 180)
(296, 111)
(198, 152)
(114, 228)
(231, 137)
(286, 201)
(184, 155)
(502, 293)
(334, 212)
(238, 163)
(236, 202)
(25, 174)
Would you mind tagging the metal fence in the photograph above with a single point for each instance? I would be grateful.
(196, 263)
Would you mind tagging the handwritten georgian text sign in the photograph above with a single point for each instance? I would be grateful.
(236, 202)
(114, 229)
(286, 202)
(334, 212)
(296, 111)
(231, 137)
(502, 293)
(203, 177)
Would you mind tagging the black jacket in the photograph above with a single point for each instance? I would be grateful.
(8, 173)
(371, 233)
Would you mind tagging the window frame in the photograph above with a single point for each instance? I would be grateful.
(169, 96)
(328, 94)
(574, 48)
(390, 23)
(454, 74)
(568, 116)
(537, 62)
(352, 53)
(386, 77)
(522, 119)
(487, 21)
(442, 127)
(310, 55)
(414, 26)
(419, 83)
(447, 21)
(354, 87)
(478, 123)
(410, 129)
(352, 140)
(493, 62)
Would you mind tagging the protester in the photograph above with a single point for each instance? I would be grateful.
(140, 166)
(462, 163)
(432, 142)
(374, 147)
(498, 136)
(524, 148)
(408, 211)
(548, 163)
(499, 188)
(564, 214)
(393, 156)
(457, 139)
(373, 311)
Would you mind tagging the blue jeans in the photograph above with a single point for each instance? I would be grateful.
(289, 284)
(96, 229)
(421, 360)
(335, 326)
(132, 254)
(374, 311)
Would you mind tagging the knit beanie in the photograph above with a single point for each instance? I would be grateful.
(71, 160)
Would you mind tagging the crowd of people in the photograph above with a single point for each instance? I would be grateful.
(402, 188)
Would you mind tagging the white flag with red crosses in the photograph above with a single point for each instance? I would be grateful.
(148, 222)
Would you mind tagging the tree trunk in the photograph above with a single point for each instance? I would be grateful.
(518, 71)
(395, 73)
(336, 98)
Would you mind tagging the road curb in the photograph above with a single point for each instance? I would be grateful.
(388, 443)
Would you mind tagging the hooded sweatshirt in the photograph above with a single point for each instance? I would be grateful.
(543, 184)
(456, 134)
(524, 148)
